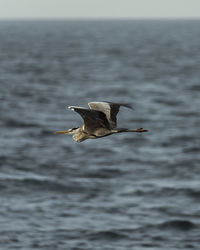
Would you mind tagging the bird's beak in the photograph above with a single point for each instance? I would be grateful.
(62, 132)
(141, 130)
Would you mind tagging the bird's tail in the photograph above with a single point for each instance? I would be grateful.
(139, 130)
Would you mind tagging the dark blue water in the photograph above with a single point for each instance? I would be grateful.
(126, 191)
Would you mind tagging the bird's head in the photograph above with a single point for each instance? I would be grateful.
(71, 131)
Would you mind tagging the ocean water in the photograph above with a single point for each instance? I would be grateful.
(126, 191)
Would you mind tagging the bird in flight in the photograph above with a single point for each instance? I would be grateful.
(99, 121)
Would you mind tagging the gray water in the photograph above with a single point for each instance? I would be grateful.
(126, 191)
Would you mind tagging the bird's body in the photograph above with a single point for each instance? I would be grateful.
(99, 121)
(80, 134)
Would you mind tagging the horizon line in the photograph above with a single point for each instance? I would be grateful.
(95, 18)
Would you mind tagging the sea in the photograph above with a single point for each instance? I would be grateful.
(138, 191)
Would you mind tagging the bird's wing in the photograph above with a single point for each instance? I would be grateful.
(109, 109)
(93, 119)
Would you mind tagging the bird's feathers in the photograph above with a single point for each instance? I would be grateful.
(109, 109)
(93, 119)
(100, 115)
(99, 121)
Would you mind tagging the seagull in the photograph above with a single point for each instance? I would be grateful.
(100, 120)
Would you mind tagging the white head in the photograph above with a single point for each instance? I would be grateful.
(71, 131)
(78, 136)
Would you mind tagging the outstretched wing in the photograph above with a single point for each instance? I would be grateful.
(93, 119)
(109, 109)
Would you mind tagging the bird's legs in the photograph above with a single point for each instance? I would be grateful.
(119, 130)
(140, 130)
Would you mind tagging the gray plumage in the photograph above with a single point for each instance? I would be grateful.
(99, 121)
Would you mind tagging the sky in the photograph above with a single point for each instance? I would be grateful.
(86, 9)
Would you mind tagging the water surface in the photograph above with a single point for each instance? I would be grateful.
(126, 191)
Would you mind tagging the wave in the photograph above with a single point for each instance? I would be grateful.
(107, 235)
(104, 173)
(127, 233)
(19, 124)
(183, 225)
(168, 225)
(166, 191)
(40, 185)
